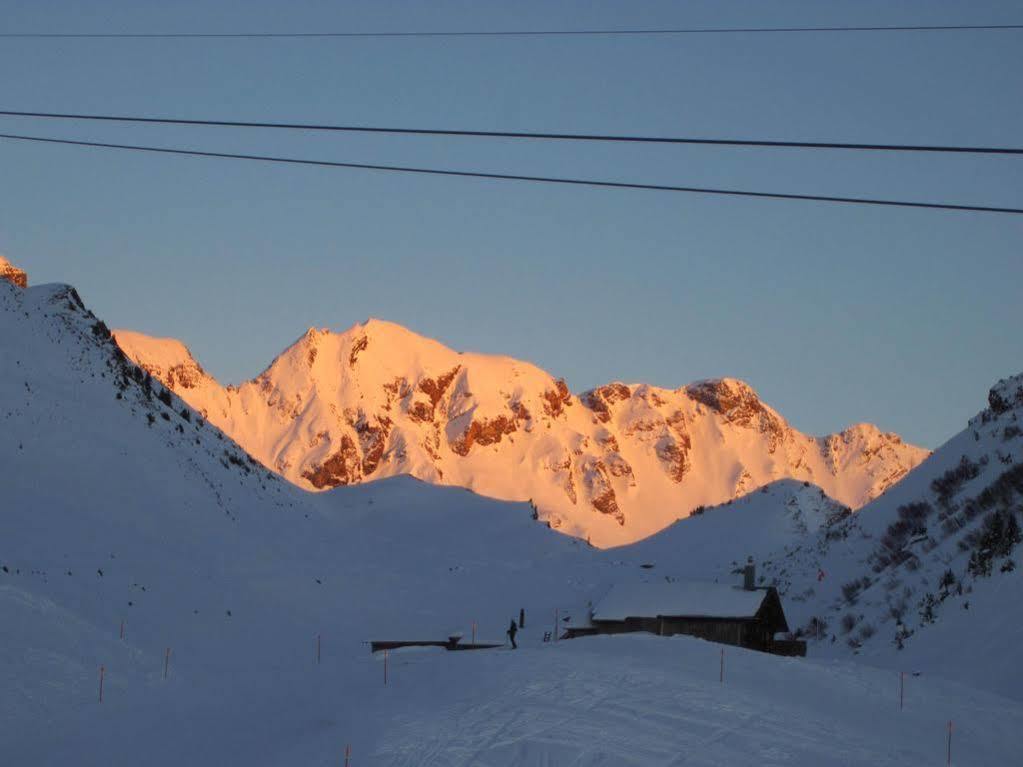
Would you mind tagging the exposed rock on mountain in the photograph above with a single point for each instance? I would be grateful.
(12, 274)
(614, 464)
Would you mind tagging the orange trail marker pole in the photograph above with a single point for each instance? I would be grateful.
(102, 670)
(348, 755)
(166, 663)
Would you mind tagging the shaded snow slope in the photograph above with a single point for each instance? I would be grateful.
(613, 465)
(939, 551)
(716, 541)
(123, 500)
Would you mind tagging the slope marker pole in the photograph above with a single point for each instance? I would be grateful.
(317, 649)
(102, 671)
(122, 630)
(348, 755)
(166, 662)
(948, 758)
(385, 667)
(902, 689)
(721, 676)
(474, 632)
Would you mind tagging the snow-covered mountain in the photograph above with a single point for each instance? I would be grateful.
(614, 464)
(928, 575)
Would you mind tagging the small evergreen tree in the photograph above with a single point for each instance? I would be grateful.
(927, 608)
(980, 563)
(948, 580)
(1012, 532)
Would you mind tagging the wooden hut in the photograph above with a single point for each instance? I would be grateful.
(745, 617)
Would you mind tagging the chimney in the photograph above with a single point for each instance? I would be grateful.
(749, 575)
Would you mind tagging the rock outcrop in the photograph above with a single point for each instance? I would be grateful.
(12, 274)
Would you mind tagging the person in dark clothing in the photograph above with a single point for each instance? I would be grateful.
(512, 630)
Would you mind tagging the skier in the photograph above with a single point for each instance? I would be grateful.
(512, 630)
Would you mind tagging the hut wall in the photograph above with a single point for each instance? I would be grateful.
(743, 633)
(750, 633)
(725, 632)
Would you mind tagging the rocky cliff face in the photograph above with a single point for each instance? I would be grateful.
(613, 464)
(12, 274)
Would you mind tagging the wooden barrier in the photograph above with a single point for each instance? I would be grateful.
(452, 643)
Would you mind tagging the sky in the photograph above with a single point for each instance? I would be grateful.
(836, 314)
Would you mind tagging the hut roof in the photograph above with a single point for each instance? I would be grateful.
(690, 599)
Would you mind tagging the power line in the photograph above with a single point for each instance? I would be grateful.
(522, 134)
(518, 177)
(517, 33)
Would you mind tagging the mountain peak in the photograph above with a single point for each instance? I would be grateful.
(722, 394)
(12, 274)
(738, 403)
(166, 359)
(1006, 394)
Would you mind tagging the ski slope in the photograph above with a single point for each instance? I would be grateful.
(629, 700)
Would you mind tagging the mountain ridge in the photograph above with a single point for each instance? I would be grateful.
(613, 464)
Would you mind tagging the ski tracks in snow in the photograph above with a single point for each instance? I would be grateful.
(579, 709)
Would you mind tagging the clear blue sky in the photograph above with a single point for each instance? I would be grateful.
(836, 314)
